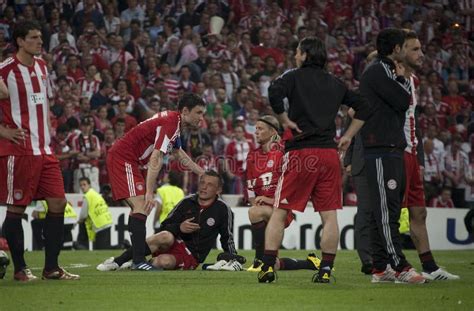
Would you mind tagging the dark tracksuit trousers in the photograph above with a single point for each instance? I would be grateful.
(386, 181)
(362, 225)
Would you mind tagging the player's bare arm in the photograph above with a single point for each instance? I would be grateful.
(184, 159)
(345, 140)
(154, 167)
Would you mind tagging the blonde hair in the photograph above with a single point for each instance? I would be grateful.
(273, 123)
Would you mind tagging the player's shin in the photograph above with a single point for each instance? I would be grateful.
(258, 234)
(13, 232)
(137, 228)
(53, 233)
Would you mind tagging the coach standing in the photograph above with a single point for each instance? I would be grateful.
(388, 93)
(311, 167)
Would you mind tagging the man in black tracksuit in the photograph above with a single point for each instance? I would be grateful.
(187, 235)
(388, 92)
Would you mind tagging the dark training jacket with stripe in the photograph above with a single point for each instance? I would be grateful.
(389, 98)
(214, 220)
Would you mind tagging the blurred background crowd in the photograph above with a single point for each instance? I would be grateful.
(113, 63)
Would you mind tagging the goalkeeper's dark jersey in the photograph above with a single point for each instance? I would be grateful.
(216, 219)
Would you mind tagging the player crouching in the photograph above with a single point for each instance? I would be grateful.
(263, 172)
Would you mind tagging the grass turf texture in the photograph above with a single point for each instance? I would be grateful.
(220, 290)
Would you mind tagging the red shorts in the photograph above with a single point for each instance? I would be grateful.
(184, 259)
(289, 217)
(125, 177)
(414, 191)
(311, 173)
(27, 178)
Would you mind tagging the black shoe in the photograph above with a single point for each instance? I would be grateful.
(144, 266)
(267, 276)
(323, 276)
(366, 268)
(4, 262)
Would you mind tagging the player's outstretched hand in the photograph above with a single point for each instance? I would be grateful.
(188, 226)
(15, 135)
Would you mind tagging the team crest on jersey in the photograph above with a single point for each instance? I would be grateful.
(392, 184)
(270, 163)
(140, 186)
(211, 222)
(18, 194)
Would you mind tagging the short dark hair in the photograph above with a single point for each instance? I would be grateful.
(62, 128)
(213, 173)
(190, 100)
(86, 179)
(175, 178)
(104, 84)
(410, 34)
(388, 39)
(73, 123)
(22, 29)
(315, 51)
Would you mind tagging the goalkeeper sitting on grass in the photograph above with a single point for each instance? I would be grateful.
(187, 235)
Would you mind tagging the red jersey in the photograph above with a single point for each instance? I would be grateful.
(236, 154)
(27, 107)
(263, 171)
(159, 132)
(439, 203)
(88, 88)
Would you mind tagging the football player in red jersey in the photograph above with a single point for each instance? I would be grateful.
(28, 168)
(263, 172)
(145, 145)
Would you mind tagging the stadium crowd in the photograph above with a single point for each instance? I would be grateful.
(115, 63)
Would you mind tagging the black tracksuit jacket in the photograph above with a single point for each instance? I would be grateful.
(389, 97)
(214, 220)
(314, 99)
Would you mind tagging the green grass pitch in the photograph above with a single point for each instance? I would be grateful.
(219, 290)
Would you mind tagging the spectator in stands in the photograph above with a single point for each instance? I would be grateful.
(111, 21)
(63, 29)
(64, 154)
(88, 13)
(101, 98)
(453, 99)
(433, 171)
(443, 200)
(88, 147)
(130, 121)
(119, 128)
(123, 88)
(438, 145)
(235, 157)
(456, 171)
(73, 67)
